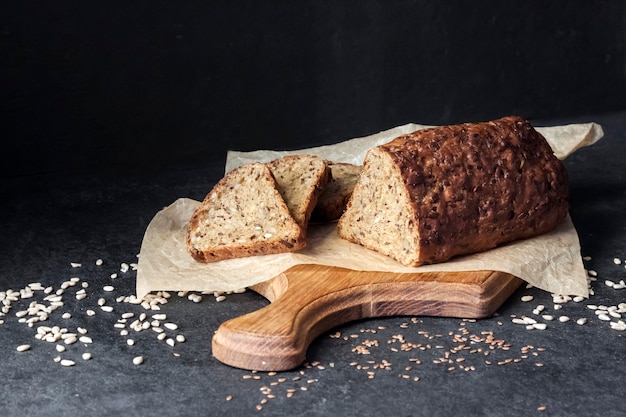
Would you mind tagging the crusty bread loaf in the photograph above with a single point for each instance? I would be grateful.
(333, 200)
(437, 193)
(243, 215)
(300, 179)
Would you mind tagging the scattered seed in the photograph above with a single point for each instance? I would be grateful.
(86, 356)
(563, 319)
(526, 298)
(23, 348)
(581, 321)
(130, 342)
(171, 326)
(108, 288)
(85, 339)
(67, 362)
(138, 360)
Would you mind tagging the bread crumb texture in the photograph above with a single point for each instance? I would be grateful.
(243, 215)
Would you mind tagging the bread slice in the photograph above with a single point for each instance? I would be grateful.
(300, 179)
(243, 215)
(333, 200)
(437, 193)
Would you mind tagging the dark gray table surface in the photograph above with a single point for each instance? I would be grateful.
(49, 221)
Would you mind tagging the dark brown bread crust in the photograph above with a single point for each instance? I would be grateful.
(473, 187)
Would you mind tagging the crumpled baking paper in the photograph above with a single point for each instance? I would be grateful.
(551, 261)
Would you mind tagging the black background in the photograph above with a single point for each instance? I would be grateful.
(88, 86)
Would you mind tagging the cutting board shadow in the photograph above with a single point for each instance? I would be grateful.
(307, 300)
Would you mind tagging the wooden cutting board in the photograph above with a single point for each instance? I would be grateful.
(308, 300)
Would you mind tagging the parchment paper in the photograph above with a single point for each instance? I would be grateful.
(551, 261)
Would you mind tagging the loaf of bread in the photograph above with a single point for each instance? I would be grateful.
(257, 209)
(437, 193)
(334, 199)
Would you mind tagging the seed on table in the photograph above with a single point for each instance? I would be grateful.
(85, 339)
(604, 317)
(66, 316)
(86, 356)
(581, 321)
(130, 342)
(563, 319)
(99, 262)
(526, 298)
(108, 288)
(107, 309)
(547, 317)
(180, 338)
(170, 342)
(619, 325)
(171, 326)
(159, 317)
(81, 330)
(67, 362)
(91, 313)
(617, 261)
(138, 360)
(60, 348)
(70, 340)
(23, 348)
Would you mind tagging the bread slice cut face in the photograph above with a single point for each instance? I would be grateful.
(332, 203)
(243, 215)
(300, 179)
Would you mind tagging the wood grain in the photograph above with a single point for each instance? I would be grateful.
(308, 300)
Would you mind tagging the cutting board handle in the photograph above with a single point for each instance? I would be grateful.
(308, 300)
